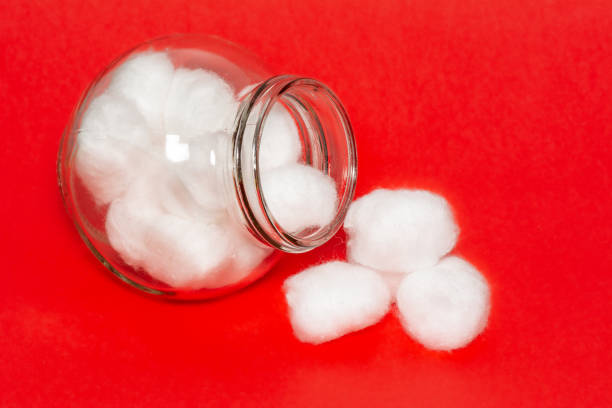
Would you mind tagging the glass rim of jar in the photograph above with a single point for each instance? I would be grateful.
(296, 94)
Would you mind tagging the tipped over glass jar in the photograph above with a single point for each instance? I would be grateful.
(188, 168)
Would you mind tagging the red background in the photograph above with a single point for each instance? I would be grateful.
(505, 107)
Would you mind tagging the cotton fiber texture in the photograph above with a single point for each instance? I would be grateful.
(199, 103)
(445, 306)
(201, 174)
(299, 196)
(145, 79)
(399, 231)
(280, 142)
(401, 236)
(151, 150)
(330, 300)
(113, 139)
(153, 231)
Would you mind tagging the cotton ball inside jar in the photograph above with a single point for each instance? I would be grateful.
(112, 146)
(145, 79)
(399, 231)
(249, 252)
(204, 189)
(166, 192)
(280, 139)
(247, 255)
(199, 102)
(446, 306)
(330, 300)
(187, 253)
(166, 240)
(201, 173)
(299, 196)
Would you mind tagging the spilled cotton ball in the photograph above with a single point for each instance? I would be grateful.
(299, 196)
(112, 142)
(446, 306)
(199, 102)
(280, 139)
(399, 231)
(393, 280)
(330, 300)
(144, 79)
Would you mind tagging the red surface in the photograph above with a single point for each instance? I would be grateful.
(505, 107)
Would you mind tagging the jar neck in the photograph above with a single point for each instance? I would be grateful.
(327, 145)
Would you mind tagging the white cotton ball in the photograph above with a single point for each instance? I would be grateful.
(165, 191)
(330, 300)
(248, 252)
(280, 142)
(446, 306)
(156, 232)
(126, 225)
(299, 196)
(201, 173)
(110, 146)
(393, 280)
(145, 79)
(204, 188)
(247, 255)
(199, 103)
(399, 230)
(185, 253)
(280, 139)
(110, 116)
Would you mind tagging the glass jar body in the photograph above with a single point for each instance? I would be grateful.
(159, 166)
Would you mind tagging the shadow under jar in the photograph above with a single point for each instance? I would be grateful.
(188, 168)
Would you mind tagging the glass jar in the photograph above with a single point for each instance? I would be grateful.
(164, 161)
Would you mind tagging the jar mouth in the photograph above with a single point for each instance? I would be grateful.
(328, 145)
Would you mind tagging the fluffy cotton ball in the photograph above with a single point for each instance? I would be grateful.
(393, 280)
(247, 255)
(199, 103)
(280, 142)
(145, 79)
(444, 307)
(165, 191)
(299, 196)
(204, 188)
(201, 172)
(330, 300)
(110, 146)
(280, 139)
(126, 225)
(157, 236)
(187, 254)
(248, 252)
(399, 230)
